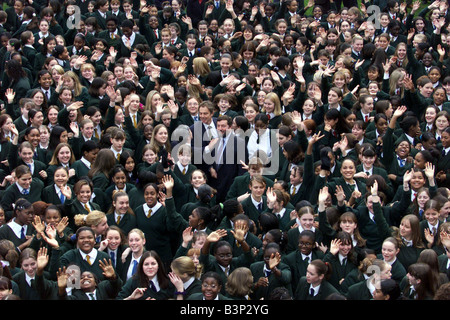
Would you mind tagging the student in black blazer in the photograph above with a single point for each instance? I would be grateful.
(365, 290)
(220, 259)
(315, 285)
(157, 282)
(114, 245)
(25, 187)
(19, 230)
(131, 256)
(341, 258)
(299, 259)
(184, 268)
(85, 256)
(212, 288)
(120, 213)
(270, 273)
(443, 165)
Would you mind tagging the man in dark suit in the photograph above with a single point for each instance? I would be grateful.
(204, 135)
(228, 152)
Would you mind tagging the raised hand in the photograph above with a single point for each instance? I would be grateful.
(334, 247)
(323, 195)
(429, 170)
(108, 269)
(275, 259)
(216, 235)
(42, 258)
(340, 194)
(240, 230)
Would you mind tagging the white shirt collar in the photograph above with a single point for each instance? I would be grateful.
(154, 209)
(92, 254)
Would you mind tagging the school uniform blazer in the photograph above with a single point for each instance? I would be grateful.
(124, 51)
(257, 269)
(199, 296)
(443, 164)
(133, 283)
(251, 211)
(12, 193)
(5, 152)
(100, 20)
(100, 181)
(210, 264)
(157, 230)
(25, 291)
(125, 266)
(78, 208)
(339, 271)
(105, 290)
(321, 182)
(126, 224)
(442, 261)
(359, 291)
(252, 240)
(424, 225)
(409, 255)
(186, 177)
(240, 185)
(111, 41)
(302, 292)
(7, 233)
(74, 257)
(293, 238)
(49, 195)
(298, 265)
(81, 170)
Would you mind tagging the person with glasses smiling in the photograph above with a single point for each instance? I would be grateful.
(211, 288)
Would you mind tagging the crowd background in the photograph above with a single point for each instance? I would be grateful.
(111, 109)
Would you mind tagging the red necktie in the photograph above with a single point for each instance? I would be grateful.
(366, 118)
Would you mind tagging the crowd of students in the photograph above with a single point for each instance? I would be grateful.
(230, 150)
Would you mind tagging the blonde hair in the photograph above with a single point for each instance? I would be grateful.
(200, 66)
(93, 218)
(183, 265)
(239, 282)
(77, 87)
(272, 96)
(199, 267)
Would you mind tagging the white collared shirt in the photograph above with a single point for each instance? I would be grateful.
(154, 209)
(86, 163)
(130, 268)
(28, 279)
(316, 289)
(92, 255)
(17, 228)
(256, 203)
(132, 38)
